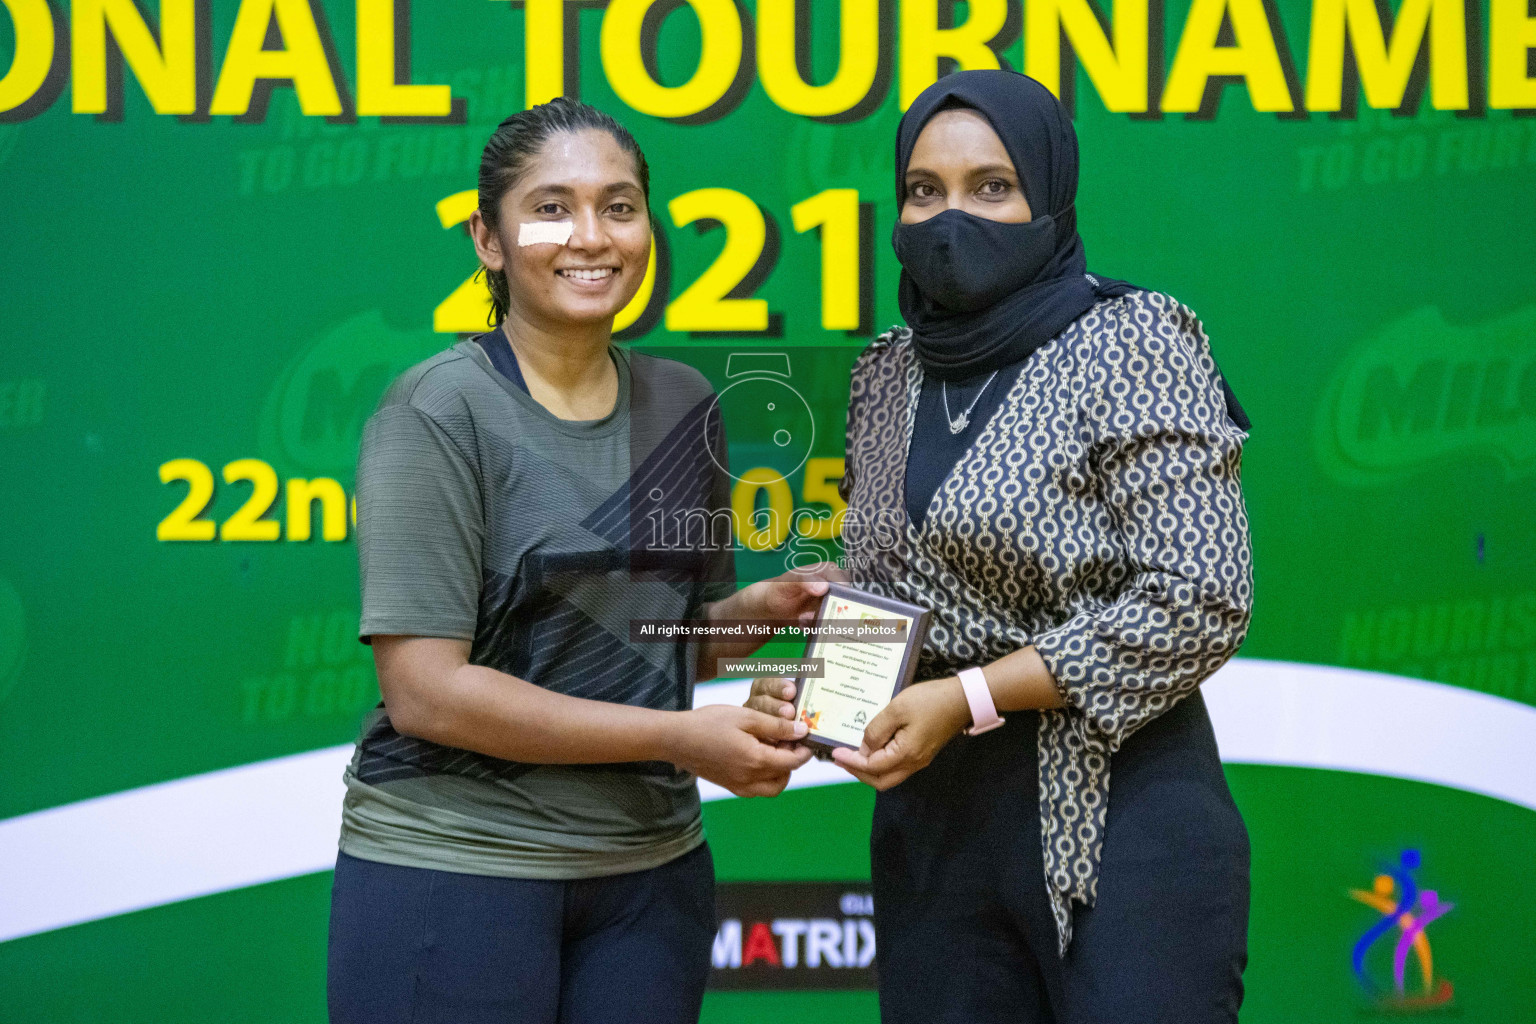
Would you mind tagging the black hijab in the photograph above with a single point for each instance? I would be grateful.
(981, 294)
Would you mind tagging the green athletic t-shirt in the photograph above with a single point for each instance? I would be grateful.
(483, 517)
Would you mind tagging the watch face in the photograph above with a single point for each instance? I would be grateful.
(768, 425)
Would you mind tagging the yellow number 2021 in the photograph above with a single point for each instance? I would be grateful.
(467, 309)
(720, 300)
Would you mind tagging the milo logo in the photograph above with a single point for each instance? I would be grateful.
(1422, 389)
(315, 412)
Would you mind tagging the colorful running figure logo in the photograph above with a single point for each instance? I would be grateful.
(1409, 909)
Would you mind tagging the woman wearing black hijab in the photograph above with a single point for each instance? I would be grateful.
(1050, 462)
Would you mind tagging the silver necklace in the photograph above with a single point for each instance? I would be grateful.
(964, 420)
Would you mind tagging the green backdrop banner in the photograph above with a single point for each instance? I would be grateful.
(228, 225)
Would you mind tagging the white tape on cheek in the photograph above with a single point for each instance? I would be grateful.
(552, 232)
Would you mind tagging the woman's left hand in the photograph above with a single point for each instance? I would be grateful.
(907, 735)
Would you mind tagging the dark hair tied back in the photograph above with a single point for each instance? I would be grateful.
(517, 141)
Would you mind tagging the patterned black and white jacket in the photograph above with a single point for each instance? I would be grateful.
(1098, 516)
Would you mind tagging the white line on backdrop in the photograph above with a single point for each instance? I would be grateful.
(278, 819)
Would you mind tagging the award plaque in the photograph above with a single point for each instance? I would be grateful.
(860, 675)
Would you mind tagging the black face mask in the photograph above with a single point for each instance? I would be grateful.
(966, 263)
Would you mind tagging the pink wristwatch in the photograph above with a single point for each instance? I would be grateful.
(984, 716)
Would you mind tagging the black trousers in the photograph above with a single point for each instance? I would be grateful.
(417, 946)
(962, 920)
